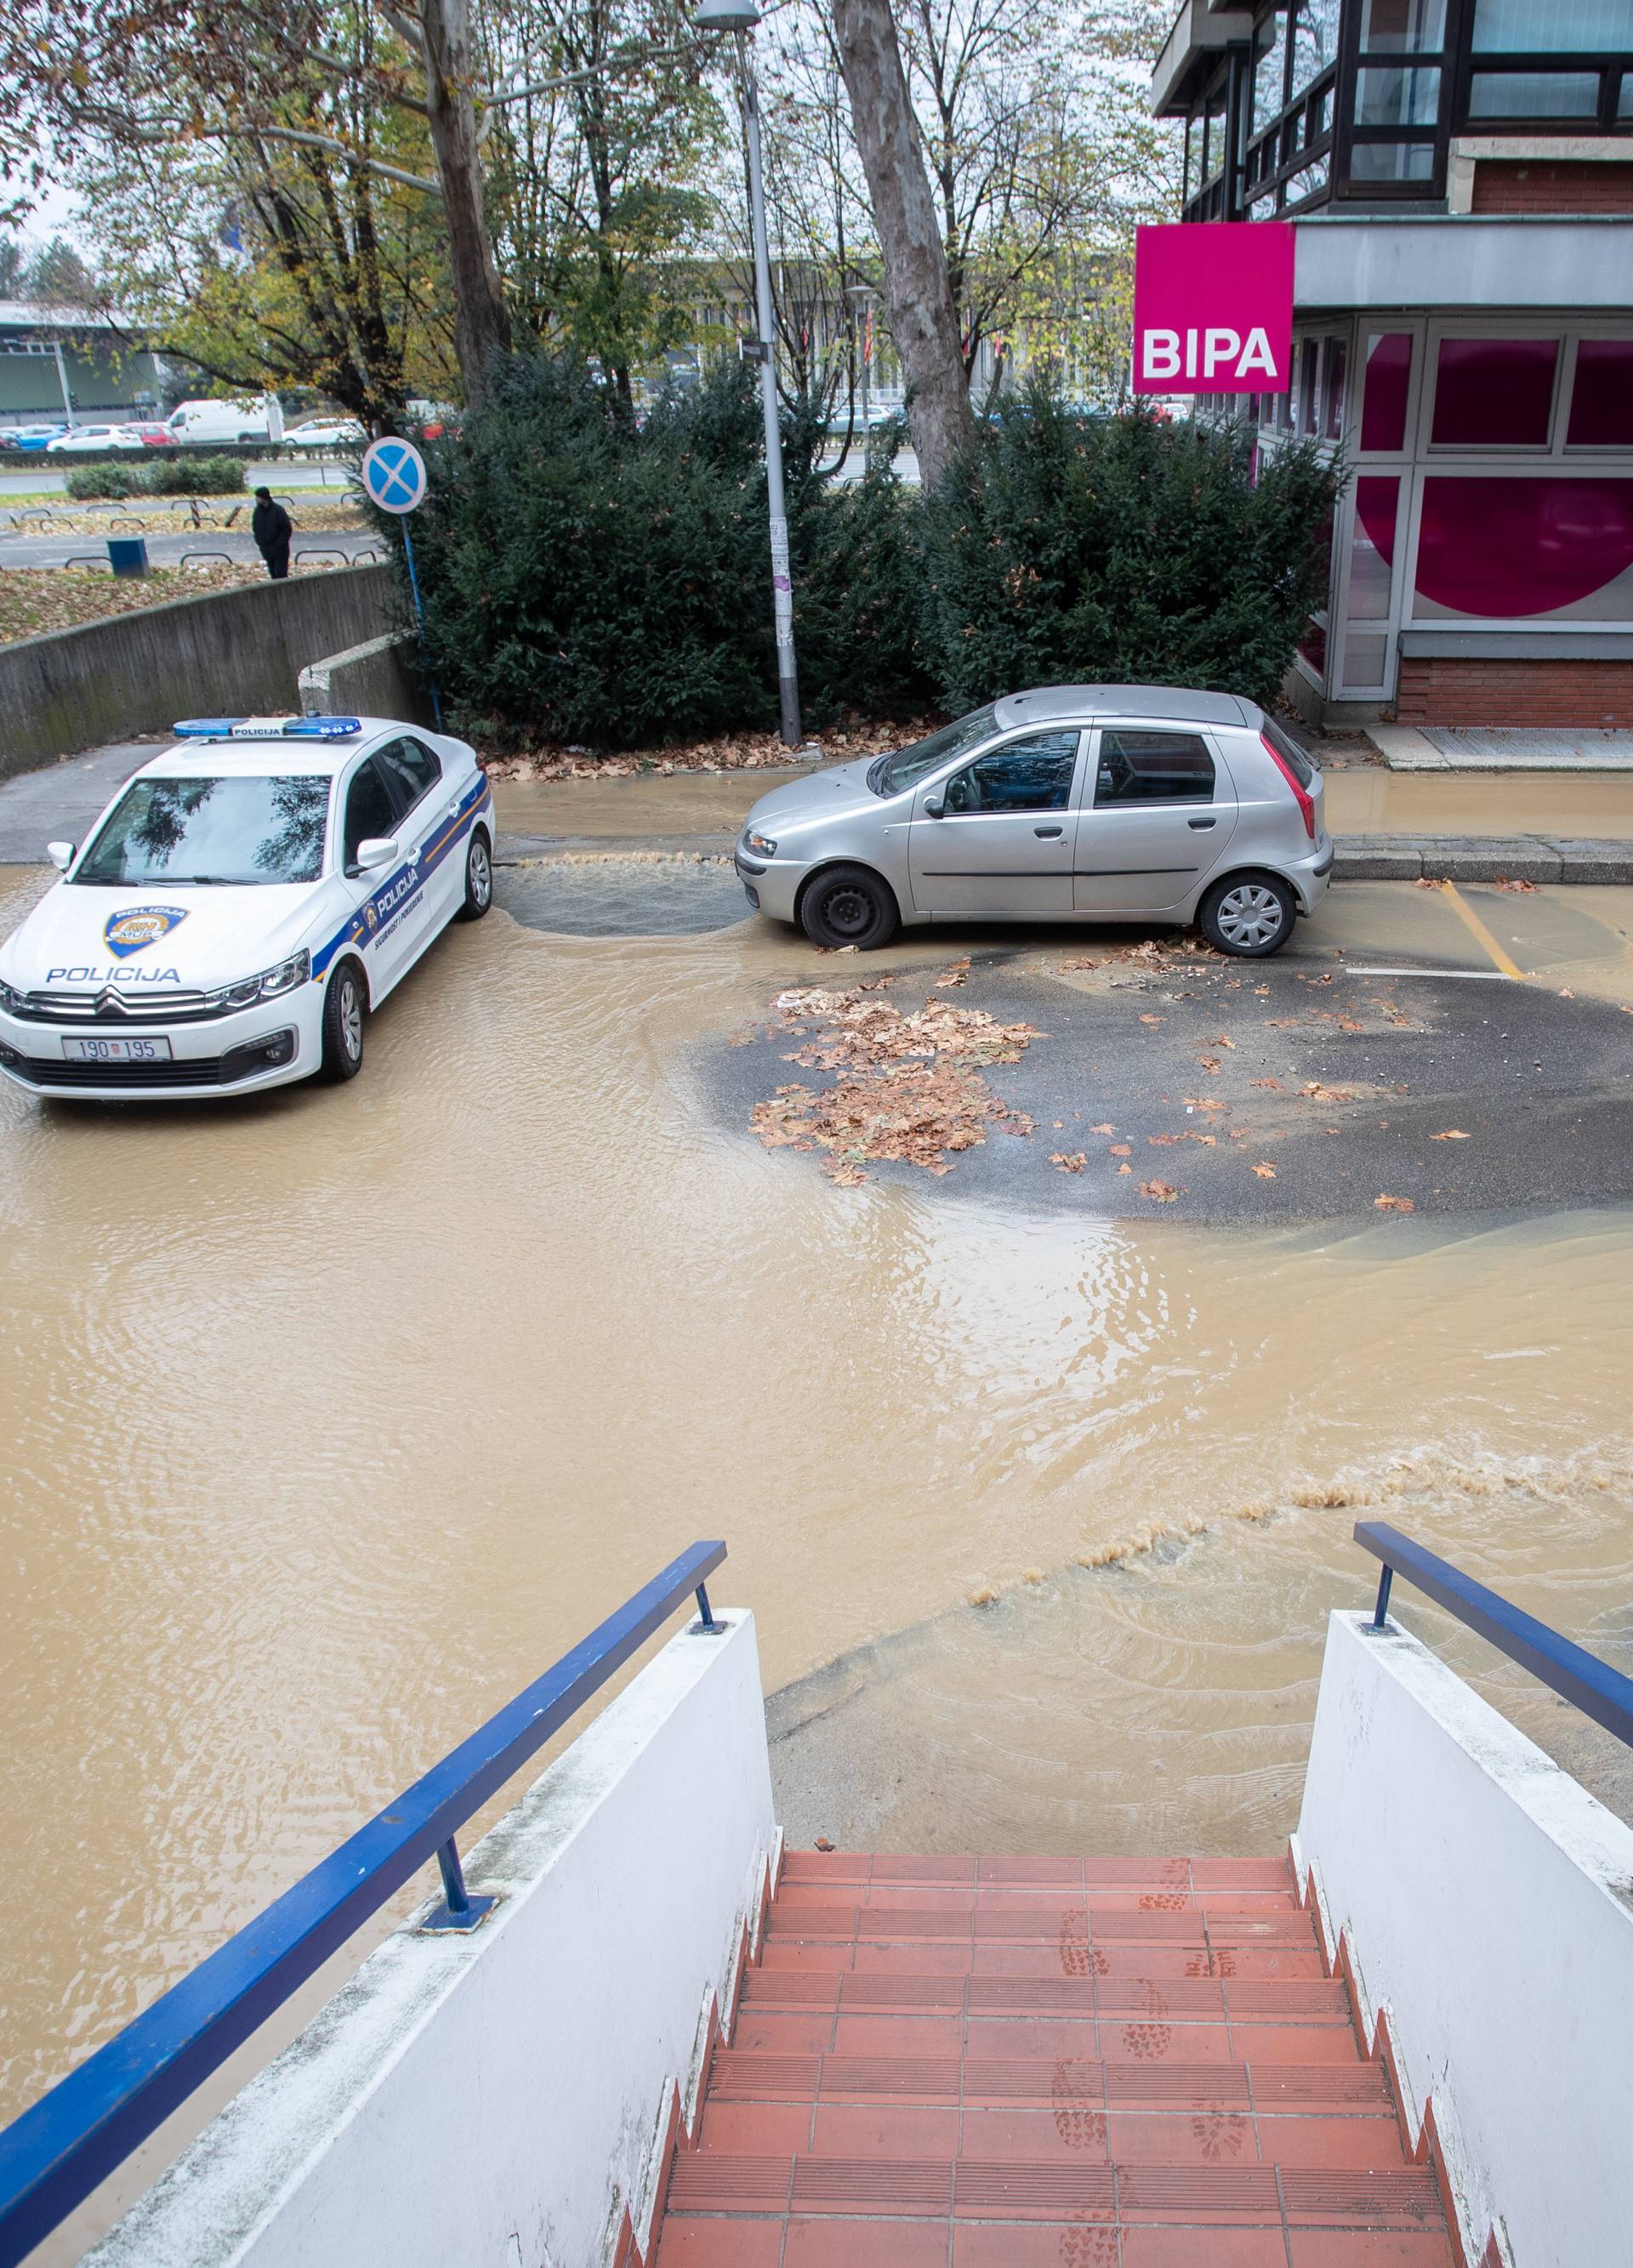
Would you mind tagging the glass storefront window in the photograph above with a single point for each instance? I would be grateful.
(1601, 398)
(1391, 97)
(1507, 549)
(1494, 393)
(1371, 563)
(1551, 27)
(1403, 27)
(1534, 94)
(1384, 395)
(1337, 355)
(1391, 161)
(1315, 42)
(1310, 182)
(1214, 148)
(1269, 67)
(1309, 400)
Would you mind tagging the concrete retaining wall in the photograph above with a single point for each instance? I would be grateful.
(239, 651)
(503, 2099)
(1486, 1903)
(373, 680)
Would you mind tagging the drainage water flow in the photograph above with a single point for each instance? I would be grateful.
(330, 1418)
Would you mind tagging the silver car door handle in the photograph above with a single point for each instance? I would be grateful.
(1200, 824)
(1046, 832)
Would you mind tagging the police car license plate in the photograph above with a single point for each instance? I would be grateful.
(136, 1051)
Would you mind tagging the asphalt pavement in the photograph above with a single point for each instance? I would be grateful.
(1387, 1063)
(195, 545)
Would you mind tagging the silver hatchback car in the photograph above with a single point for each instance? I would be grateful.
(1072, 802)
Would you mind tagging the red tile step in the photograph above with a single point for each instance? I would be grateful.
(1086, 2063)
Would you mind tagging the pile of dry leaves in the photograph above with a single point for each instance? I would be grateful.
(734, 752)
(908, 1084)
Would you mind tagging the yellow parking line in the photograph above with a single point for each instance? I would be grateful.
(1478, 931)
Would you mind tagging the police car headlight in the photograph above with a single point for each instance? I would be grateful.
(11, 999)
(267, 986)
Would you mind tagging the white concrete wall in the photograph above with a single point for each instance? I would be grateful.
(491, 2100)
(1488, 1903)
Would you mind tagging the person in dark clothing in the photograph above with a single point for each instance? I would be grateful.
(271, 527)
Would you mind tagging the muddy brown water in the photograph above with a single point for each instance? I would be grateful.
(332, 1419)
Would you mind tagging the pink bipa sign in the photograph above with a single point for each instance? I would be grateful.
(1213, 307)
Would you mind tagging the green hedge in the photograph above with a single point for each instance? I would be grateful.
(195, 477)
(1126, 549)
(163, 476)
(590, 581)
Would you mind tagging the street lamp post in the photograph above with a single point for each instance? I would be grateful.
(864, 296)
(740, 17)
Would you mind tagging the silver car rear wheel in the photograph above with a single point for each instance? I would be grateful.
(1249, 917)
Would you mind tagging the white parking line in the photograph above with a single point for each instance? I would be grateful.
(1469, 975)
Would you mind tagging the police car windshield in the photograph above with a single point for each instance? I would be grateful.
(212, 830)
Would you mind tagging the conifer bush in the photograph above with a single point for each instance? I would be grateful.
(1067, 549)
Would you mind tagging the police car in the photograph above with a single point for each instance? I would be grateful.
(240, 907)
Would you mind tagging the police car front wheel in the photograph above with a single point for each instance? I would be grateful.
(344, 1011)
(478, 878)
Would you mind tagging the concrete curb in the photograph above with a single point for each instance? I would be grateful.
(1481, 858)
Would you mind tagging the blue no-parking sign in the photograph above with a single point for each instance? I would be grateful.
(394, 473)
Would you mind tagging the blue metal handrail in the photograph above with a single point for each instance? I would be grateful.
(1582, 1678)
(72, 2138)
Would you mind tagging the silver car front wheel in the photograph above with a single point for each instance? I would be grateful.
(1250, 917)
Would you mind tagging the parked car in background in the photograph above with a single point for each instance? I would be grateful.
(154, 437)
(36, 437)
(327, 433)
(1071, 802)
(194, 423)
(87, 440)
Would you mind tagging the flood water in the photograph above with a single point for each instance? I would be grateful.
(332, 1419)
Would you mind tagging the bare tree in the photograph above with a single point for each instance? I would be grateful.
(924, 321)
(482, 327)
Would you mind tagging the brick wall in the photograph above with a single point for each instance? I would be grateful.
(1586, 694)
(1552, 186)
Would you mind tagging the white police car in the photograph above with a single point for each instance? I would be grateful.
(241, 904)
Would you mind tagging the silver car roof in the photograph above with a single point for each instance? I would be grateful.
(1181, 703)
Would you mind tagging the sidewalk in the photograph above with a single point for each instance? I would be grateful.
(1499, 749)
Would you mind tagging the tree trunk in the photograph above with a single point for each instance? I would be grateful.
(481, 326)
(917, 295)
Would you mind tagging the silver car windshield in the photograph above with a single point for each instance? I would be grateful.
(890, 775)
(235, 829)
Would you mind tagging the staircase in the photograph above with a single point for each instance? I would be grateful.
(1003, 2063)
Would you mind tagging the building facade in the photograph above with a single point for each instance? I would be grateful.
(63, 363)
(1460, 173)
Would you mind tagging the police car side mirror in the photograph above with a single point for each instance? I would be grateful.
(61, 855)
(376, 851)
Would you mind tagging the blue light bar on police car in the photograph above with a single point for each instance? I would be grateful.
(267, 728)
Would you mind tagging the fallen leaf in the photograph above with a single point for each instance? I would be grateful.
(1565, 992)
(1425, 882)
(1073, 1163)
(958, 974)
(1125, 1169)
(1452, 1134)
(1516, 885)
(1267, 1082)
(1393, 1205)
(1221, 1042)
(1262, 991)
(1121, 1149)
(1084, 960)
(1102, 1129)
(1210, 1063)
(1153, 1020)
(1160, 1192)
(823, 1844)
(1265, 1173)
